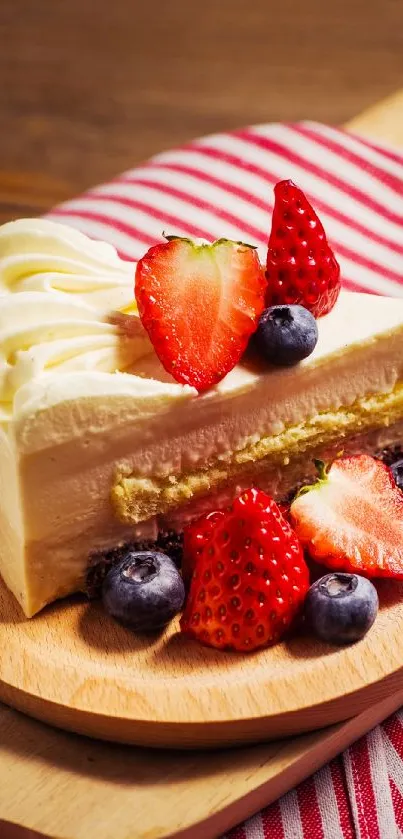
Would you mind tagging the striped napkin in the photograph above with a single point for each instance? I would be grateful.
(221, 186)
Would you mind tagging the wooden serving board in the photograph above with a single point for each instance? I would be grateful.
(58, 668)
(62, 786)
(75, 667)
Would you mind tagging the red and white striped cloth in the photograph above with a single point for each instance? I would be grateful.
(222, 186)
(359, 795)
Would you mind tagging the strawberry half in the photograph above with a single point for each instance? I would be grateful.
(301, 267)
(249, 577)
(352, 519)
(200, 304)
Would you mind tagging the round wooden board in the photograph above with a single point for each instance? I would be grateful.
(74, 667)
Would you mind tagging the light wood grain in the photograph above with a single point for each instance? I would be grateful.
(75, 667)
(66, 787)
(376, 123)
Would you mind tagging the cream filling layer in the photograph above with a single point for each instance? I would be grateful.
(40, 570)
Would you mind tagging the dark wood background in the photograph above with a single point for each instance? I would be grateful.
(90, 87)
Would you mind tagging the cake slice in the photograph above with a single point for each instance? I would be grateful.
(100, 447)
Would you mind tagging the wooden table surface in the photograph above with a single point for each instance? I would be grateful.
(89, 89)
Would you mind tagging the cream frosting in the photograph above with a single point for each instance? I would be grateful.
(57, 288)
(57, 348)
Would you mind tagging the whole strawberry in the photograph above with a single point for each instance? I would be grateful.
(249, 577)
(200, 304)
(352, 518)
(301, 267)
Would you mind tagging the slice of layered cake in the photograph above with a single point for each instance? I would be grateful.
(106, 439)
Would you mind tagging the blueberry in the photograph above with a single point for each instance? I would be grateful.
(144, 590)
(397, 472)
(286, 334)
(341, 608)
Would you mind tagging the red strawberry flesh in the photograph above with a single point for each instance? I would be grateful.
(196, 535)
(249, 576)
(200, 304)
(353, 519)
(301, 267)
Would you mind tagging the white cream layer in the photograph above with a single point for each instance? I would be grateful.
(57, 288)
(172, 428)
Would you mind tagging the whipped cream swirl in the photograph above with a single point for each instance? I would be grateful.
(57, 289)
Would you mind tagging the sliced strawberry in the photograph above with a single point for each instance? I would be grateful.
(352, 519)
(301, 267)
(200, 304)
(249, 576)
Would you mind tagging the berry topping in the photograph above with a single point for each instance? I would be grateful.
(286, 334)
(397, 472)
(301, 267)
(144, 591)
(200, 304)
(341, 608)
(249, 575)
(352, 519)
